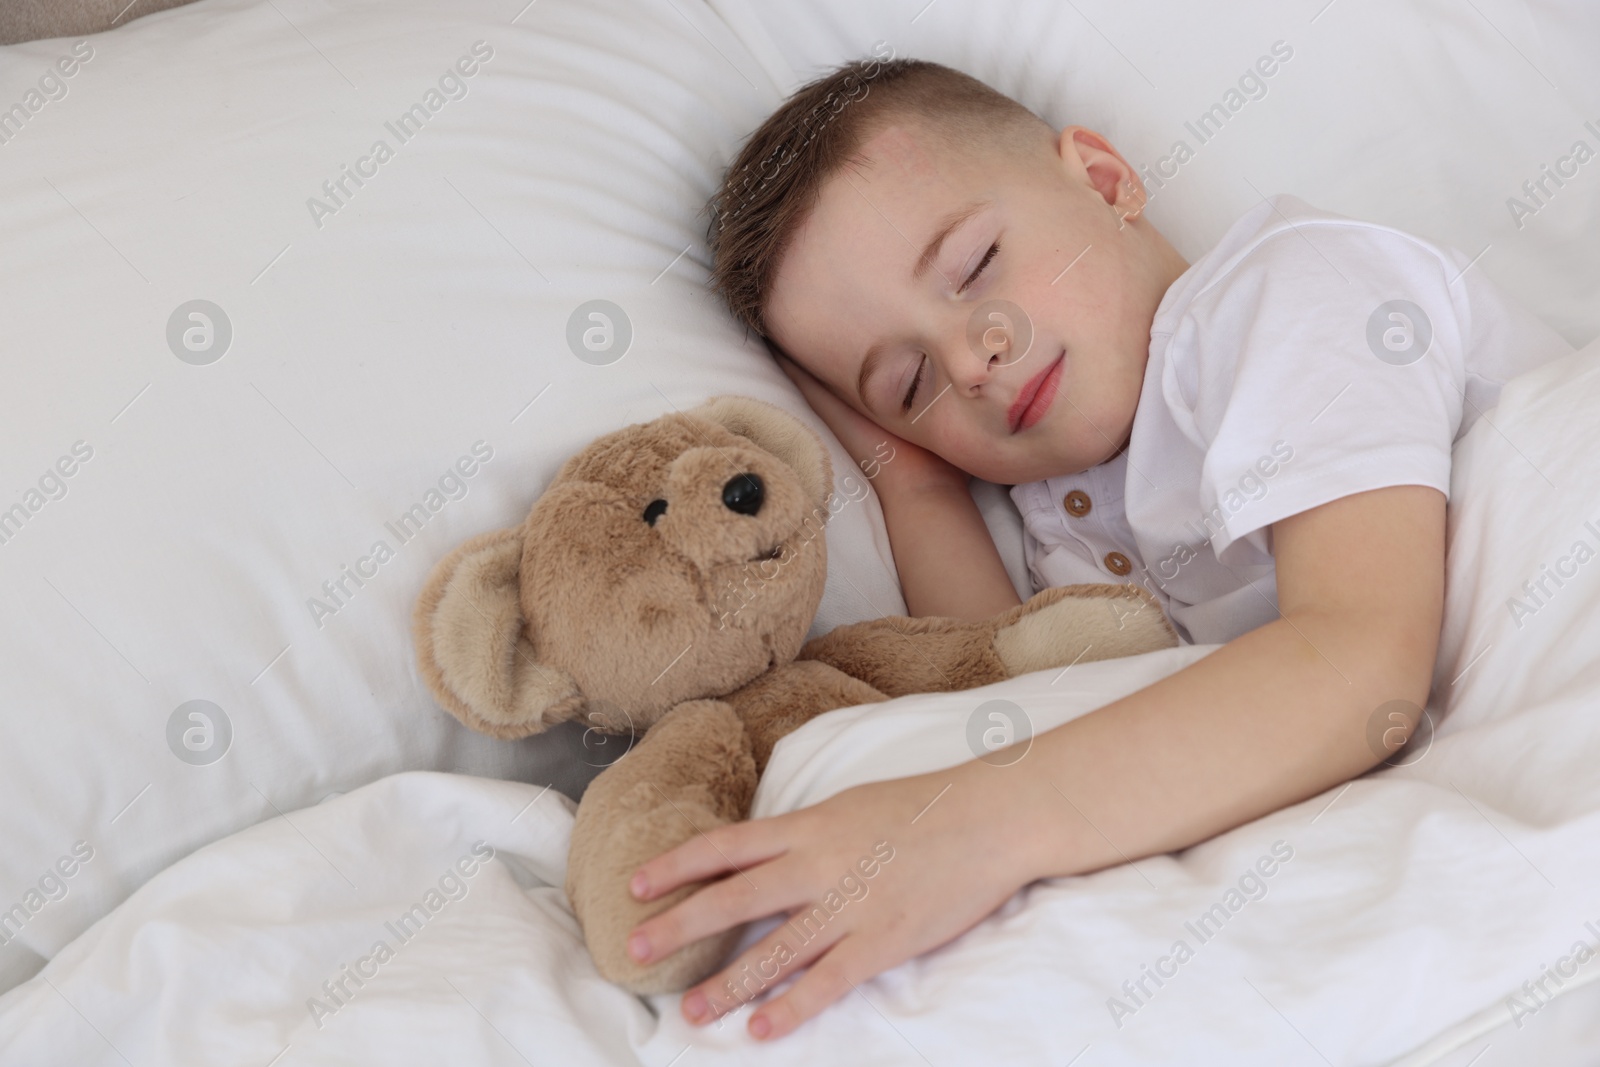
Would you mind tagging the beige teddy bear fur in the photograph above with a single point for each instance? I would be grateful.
(662, 586)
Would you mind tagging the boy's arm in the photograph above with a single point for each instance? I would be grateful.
(1274, 716)
(942, 548)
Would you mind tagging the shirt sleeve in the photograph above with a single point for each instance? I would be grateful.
(1328, 360)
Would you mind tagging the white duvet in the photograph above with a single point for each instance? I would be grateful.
(420, 919)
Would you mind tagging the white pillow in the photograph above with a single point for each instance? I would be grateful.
(1520, 631)
(399, 344)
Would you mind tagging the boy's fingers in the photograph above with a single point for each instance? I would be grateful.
(816, 394)
(730, 847)
(738, 898)
(797, 374)
(837, 973)
(771, 960)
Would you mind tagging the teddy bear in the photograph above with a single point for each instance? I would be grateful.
(662, 587)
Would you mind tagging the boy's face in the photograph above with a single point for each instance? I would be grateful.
(849, 305)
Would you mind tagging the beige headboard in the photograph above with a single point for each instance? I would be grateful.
(29, 20)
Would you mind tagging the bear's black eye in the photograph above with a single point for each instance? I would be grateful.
(654, 510)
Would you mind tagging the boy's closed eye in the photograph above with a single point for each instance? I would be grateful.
(922, 362)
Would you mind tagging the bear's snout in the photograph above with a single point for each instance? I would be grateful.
(730, 504)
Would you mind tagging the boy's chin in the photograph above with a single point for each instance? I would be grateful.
(1023, 470)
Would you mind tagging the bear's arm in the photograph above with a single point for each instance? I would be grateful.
(900, 655)
(787, 697)
(1057, 627)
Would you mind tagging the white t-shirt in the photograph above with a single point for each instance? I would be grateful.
(1305, 358)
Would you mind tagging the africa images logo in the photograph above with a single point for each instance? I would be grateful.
(337, 191)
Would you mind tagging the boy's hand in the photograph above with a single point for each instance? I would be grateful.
(940, 856)
(875, 450)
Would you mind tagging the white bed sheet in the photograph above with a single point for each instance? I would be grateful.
(1414, 902)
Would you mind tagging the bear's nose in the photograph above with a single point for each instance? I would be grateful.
(744, 493)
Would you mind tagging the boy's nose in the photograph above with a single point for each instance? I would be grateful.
(995, 335)
(967, 369)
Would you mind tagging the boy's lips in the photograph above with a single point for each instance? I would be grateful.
(1035, 397)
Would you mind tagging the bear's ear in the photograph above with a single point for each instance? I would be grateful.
(780, 433)
(472, 647)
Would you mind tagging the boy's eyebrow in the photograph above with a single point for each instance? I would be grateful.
(951, 221)
(869, 361)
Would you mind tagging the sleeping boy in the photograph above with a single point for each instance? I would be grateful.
(1261, 438)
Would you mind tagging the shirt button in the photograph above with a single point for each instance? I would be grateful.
(1077, 504)
(1117, 563)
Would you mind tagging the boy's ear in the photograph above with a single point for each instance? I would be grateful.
(1086, 152)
